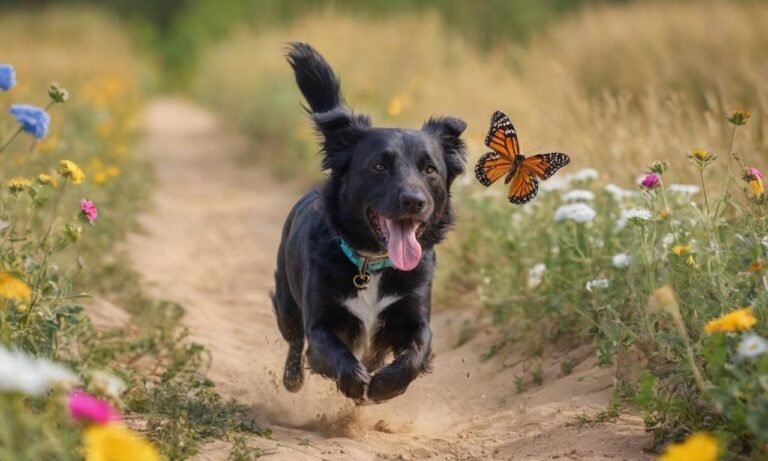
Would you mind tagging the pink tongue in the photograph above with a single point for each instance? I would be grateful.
(404, 250)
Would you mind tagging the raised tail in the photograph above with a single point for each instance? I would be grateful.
(315, 78)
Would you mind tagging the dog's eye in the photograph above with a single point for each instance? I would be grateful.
(379, 167)
(431, 169)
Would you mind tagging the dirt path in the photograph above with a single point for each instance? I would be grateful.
(210, 244)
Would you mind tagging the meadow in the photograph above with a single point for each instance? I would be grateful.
(651, 248)
(637, 93)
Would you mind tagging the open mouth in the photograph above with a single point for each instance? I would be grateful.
(401, 237)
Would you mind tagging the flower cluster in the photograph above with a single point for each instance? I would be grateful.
(33, 120)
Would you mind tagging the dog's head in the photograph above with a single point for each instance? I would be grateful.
(389, 188)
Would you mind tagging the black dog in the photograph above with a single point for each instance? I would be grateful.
(388, 193)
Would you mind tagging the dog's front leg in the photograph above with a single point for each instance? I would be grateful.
(330, 357)
(412, 358)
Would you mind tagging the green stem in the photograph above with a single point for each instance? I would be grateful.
(10, 140)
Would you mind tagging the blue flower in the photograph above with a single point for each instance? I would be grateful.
(7, 77)
(33, 120)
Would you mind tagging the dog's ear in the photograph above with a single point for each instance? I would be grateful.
(341, 129)
(448, 131)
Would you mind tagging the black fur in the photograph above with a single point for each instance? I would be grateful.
(314, 277)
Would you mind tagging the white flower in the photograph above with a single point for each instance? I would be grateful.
(597, 283)
(584, 174)
(107, 384)
(578, 212)
(535, 274)
(764, 241)
(685, 189)
(618, 193)
(622, 260)
(577, 195)
(634, 214)
(556, 183)
(32, 376)
(752, 345)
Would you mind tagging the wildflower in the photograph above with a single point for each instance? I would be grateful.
(107, 384)
(33, 120)
(622, 260)
(584, 174)
(88, 211)
(74, 232)
(754, 180)
(32, 376)
(535, 274)
(7, 77)
(752, 345)
(577, 212)
(658, 168)
(650, 181)
(684, 189)
(46, 180)
(57, 93)
(13, 288)
(577, 195)
(69, 170)
(115, 442)
(690, 261)
(756, 266)
(697, 447)
(764, 241)
(680, 250)
(618, 193)
(664, 299)
(738, 320)
(632, 215)
(85, 407)
(701, 158)
(397, 104)
(739, 117)
(17, 185)
(665, 213)
(597, 283)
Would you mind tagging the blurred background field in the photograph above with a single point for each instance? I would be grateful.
(615, 84)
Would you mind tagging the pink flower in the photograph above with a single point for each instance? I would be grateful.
(85, 407)
(88, 210)
(755, 173)
(650, 181)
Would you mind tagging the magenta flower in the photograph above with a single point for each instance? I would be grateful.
(85, 407)
(88, 210)
(650, 181)
(755, 173)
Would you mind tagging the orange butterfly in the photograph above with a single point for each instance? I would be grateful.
(506, 159)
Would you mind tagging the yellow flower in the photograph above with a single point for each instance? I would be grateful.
(17, 185)
(115, 442)
(71, 171)
(738, 320)
(666, 213)
(397, 104)
(690, 261)
(756, 188)
(680, 250)
(756, 266)
(739, 117)
(13, 288)
(46, 180)
(700, 154)
(698, 447)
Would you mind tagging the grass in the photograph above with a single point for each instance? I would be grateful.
(623, 90)
(52, 260)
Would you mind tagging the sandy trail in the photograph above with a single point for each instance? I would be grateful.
(210, 243)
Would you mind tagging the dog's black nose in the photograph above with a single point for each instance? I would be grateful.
(412, 202)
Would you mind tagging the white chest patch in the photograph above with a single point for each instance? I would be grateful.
(366, 305)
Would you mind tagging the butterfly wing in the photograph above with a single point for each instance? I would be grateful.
(502, 136)
(523, 187)
(545, 165)
(492, 166)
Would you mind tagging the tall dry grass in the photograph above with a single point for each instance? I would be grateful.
(614, 87)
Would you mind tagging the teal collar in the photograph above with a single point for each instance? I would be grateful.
(366, 263)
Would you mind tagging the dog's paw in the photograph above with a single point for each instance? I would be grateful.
(387, 383)
(293, 376)
(353, 381)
